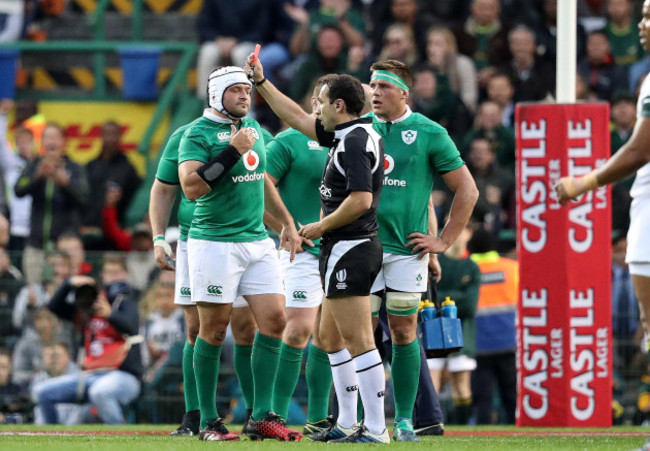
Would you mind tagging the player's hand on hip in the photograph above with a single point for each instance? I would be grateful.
(312, 231)
(434, 267)
(290, 240)
(254, 69)
(162, 258)
(426, 244)
(241, 139)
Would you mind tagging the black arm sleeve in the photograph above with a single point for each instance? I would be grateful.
(213, 170)
(325, 138)
(125, 318)
(58, 304)
(358, 162)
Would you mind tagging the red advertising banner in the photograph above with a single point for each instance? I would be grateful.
(564, 338)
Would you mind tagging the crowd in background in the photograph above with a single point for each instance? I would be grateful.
(472, 61)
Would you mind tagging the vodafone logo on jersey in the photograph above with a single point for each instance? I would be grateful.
(389, 164)
(251, 160)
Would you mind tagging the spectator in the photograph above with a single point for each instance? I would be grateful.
(56, 363)
(533, 78)
(622, 34)
(73, 247)
(28, 353)
(110, 169)
(164, 325)
(625, 309)
(405, 12)
(495, 185)
(447, 11)
(328, 58)
(598, 68)
(337, 13)
(28, 116)
(12, 164)
(10, 283)
(399, 45)
(583, 92)
(33, 297)
(456, 70)
(13, 405)
(11, 21)
(484, 38)
(228, 32)
(114, 368)
(547, 34)
(495, 329)
(501, 92)
(435, 102)
(58, 189)
(487, 124)
(460, 282)
(4, 225)
(623, 111)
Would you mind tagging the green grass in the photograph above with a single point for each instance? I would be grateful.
(587, 441)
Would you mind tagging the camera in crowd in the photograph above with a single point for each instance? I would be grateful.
(86, 295)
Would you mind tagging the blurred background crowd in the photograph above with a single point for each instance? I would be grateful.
(472, 61)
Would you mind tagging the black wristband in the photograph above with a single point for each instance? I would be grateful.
(213, 170)
(262, 81)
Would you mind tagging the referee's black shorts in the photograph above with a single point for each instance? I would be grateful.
(349, 266)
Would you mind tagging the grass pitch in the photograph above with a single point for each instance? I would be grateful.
(155, 438)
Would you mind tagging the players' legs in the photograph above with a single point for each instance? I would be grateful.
(641, 281)
(261, 286)
(244, 327)
(300, 325)
(352, 317)
(183, 298)
(405, 278)
(215, 272)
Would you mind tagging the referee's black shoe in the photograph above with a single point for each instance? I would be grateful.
(190, 424)
(432, 429)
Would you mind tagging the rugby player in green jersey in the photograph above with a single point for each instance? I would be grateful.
(222, 159)
(163, 192)
(416, 147)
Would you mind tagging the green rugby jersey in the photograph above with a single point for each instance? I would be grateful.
(234, 209)
(414, 146)
(297, 162)
(168, 173)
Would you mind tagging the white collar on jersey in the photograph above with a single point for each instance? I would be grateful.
(399, 119)
(208, 114)
(342, 129)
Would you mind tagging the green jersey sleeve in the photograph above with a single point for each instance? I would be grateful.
(168, 164)
(193, 147)
(278, 158)
(444, 155)
(267, 135)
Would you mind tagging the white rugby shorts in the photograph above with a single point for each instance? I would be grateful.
(221, 271)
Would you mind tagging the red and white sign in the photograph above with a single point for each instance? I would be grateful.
(564, 350)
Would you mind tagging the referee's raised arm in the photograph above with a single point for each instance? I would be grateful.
(285, 108)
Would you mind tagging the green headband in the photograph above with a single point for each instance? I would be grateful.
(390, 78)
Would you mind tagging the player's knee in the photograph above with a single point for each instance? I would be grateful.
(402, 304)
(375, 305)
(244, 333)
(192, 333)
(274, 324)
(297, 335)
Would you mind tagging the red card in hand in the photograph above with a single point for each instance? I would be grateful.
(256, 53)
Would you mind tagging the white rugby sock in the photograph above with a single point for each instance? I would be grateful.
(346, 386)
(372, 385)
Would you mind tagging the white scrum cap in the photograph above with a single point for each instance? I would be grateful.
(220, 80)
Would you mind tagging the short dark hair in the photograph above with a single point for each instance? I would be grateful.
(348, 89)
(320, 82)
(397, 67)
